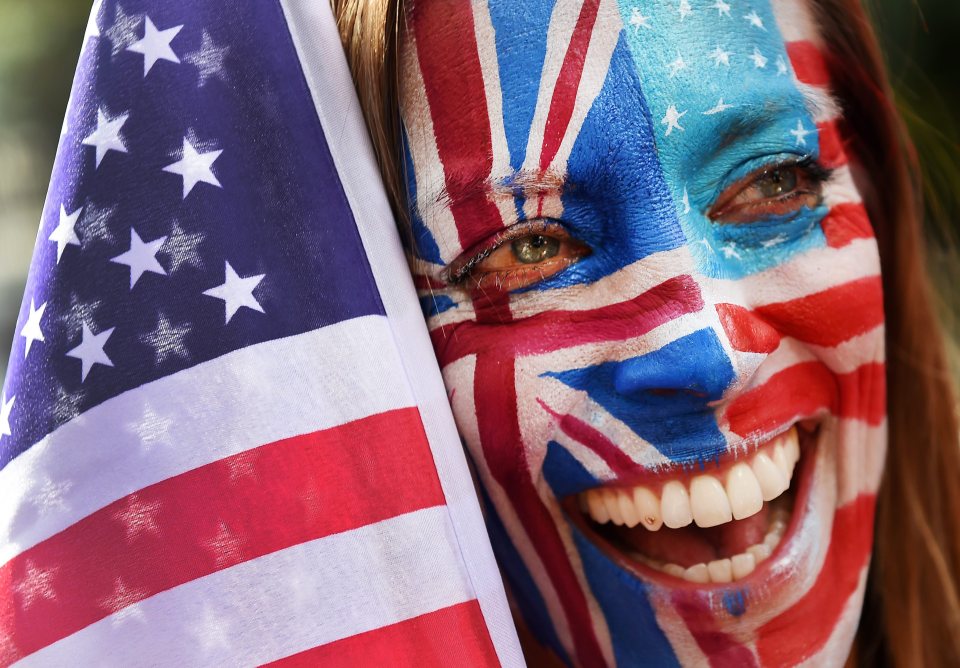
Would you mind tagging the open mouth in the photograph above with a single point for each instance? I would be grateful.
(701, 527)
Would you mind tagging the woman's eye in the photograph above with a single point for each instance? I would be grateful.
(521, 261)
(771, 192)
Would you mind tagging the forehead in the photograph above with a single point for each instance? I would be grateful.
(651, 98)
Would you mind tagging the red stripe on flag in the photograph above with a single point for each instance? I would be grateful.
(832, 152)
(818, 612)
(568, 81)
(583, 433)
(844, 223)
(808, 63)
(805, 388)
(721, 649)
(216, 516)
(503, 452)
(746, 332)
(829, 317)
(553, 330)
(454, 636)
(450, 64)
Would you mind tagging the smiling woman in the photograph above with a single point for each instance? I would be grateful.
(655, 242)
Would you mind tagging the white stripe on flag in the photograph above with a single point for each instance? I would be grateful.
(283, 603)
(253, 396)
(317, 40)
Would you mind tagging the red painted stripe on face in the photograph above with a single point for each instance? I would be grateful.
(844, 223)
(746, 332)
(266, 499)
(804, 389)
(503, 453)
(819, 611)
(829, 317)
(808, 63)
(832, 153)
(720, 649)
(583, 433)
(455, 635)
(568, 81)
(553, 330)
(453, 79)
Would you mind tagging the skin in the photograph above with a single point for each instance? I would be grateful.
(636, 270)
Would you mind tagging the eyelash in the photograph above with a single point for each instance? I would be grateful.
(458, 275)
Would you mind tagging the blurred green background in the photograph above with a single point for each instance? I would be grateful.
(40, 42)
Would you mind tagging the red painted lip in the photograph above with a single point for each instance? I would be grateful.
(804, 480)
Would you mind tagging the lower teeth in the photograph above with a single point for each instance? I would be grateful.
(729, 569)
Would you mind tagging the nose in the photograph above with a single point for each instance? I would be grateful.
(695, 366)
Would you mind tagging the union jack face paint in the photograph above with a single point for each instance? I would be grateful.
(655, 296)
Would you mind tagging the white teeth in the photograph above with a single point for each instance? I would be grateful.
(631, 516)
(742, 565)
(769, 475)
(675, 505)
(743, 491)
(613, 506)
(648, 508)
(721, 571)
(708, 501)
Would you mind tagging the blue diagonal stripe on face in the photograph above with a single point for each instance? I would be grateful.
(564, 473)
(617, 199)
(634, 633)
(664, 396)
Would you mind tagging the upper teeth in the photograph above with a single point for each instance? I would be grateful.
(707, 500)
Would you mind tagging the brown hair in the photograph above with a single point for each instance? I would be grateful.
(911, 614)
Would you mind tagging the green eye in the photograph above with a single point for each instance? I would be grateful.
(777, 182)
(535, 248)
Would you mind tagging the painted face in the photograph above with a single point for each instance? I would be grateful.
(655, 297)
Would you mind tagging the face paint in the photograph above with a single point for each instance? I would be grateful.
(655, 297)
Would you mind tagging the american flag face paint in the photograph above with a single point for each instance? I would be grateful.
(655, 296)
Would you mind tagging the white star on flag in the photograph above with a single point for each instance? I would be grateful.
(90, 351)
(208, 59)
(759, 61)
(236, 292)
(37, 583)
(719, 107)
(123, 32)
(31, 330)
(638, 20)
(801, 133)
(195, 167)
(721, 7)
(677, 65)
(754, 19)
(167, 339)
(781, 66)
(672, 120)
(107, 135)
(141, 257)
(138, 517)
(65, 234)
(155, 45)
(720, 57)
(6, 407)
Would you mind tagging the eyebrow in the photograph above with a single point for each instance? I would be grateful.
(817, 102)
(523, 182)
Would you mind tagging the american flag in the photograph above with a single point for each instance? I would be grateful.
(224, 438)
(767, 329)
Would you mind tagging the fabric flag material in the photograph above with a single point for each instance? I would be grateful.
(224, 438)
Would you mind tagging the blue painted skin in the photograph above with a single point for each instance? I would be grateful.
(633, 190)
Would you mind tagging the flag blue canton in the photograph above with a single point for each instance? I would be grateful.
(193, 210)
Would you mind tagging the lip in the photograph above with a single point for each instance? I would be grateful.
(811, 443)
